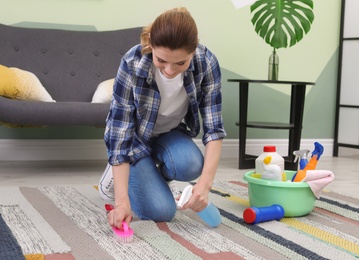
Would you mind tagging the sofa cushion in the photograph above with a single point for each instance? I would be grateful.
(103, 93)
(23, 112)
(21, 84)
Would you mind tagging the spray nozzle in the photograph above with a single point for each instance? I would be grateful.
(300, 154)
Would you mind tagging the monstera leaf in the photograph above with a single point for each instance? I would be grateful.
(282, 23)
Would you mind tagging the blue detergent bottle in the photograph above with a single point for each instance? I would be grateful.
(254, 215)
(210, 215)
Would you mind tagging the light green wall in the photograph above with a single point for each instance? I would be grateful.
(229, 33)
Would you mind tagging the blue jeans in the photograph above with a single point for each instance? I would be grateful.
(174, 157)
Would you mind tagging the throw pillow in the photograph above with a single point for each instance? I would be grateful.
(103, 93)
(21, 84)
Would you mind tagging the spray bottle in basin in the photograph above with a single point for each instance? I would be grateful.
(301, 155)
(311, 165)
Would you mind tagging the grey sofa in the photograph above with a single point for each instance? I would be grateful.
(70, 65)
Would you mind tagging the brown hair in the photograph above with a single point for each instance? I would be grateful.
(174, 29)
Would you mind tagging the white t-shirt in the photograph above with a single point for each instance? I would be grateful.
(174, 102)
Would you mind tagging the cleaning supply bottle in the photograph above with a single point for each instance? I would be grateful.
(271, 171)
(276, 158)
(311, 165)
(301, 155)
(210, 215)
(254, 215)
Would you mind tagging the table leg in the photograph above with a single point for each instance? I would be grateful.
(243, 112)
(296, 118)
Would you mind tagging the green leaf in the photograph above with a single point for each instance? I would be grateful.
(282, 23)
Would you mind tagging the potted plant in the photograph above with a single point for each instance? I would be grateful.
(282, 24)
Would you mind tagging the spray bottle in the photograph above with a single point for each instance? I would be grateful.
(311, 165)
(210, 215)
(302, 156)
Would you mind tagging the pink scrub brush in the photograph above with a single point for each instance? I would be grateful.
(123, 234)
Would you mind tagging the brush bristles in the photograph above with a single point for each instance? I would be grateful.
(123, 239)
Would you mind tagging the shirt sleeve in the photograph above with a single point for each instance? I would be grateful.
(119, 123)
(211, 104)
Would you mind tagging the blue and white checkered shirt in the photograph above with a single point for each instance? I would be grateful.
(136, 101)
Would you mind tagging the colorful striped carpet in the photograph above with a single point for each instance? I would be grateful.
(59, 223)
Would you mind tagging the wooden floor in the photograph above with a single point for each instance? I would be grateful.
(45, 173)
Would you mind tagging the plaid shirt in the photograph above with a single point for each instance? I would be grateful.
(136, 101)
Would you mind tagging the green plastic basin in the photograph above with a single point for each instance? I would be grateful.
(296, 198)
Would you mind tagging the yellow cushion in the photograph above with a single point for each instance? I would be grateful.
(20, 84)
(103, 93)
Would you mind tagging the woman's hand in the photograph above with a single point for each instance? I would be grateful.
(118, 214)
(199, 199)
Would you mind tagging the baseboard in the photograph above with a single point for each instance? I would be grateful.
(94, 149)
(255, 146)
(51, 149)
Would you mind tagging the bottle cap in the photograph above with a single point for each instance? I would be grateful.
(269, 149)
(249, 215)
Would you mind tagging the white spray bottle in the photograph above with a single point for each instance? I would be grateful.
(210, 215)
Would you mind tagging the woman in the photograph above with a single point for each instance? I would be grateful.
(160, 88)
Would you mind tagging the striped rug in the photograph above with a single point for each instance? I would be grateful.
(63, 222)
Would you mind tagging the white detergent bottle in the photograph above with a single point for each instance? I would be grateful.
(271, 171)
(276, 159)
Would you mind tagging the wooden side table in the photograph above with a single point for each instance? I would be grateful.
(294, 126)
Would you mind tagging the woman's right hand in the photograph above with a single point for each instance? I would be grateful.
(118, 214)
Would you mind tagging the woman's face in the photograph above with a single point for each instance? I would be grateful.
(171, 62)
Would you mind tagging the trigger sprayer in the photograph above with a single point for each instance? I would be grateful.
(302, 156)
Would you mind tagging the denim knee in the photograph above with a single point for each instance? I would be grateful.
(179, 156)
(159, 211)
(191, 168)
(197, 164)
